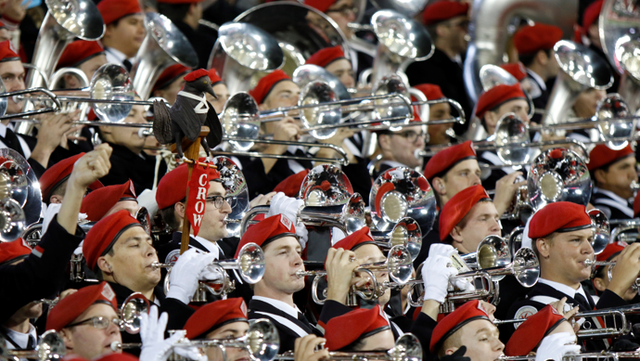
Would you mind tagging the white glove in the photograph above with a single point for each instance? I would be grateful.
(289, 207)
(154, 346)
(185, 274)
(147, 199)
(557, 345)
(303, 234)
(446, 250)
(436, 272)
(336, 235)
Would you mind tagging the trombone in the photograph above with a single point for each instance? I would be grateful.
(50, 348)
(407, 348)
(250, 264)
(262, 341)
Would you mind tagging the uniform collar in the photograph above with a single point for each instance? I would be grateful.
(537, 78)
(564, 288)
(282, 306)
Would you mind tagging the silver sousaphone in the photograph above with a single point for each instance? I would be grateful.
(235, 185)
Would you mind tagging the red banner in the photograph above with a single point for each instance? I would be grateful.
(198, 188)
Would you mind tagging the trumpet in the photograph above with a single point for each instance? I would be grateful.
(262, 341)
(611, 264)
(407, 348)
(50, 348)
(615, 323)
(250, 264)
(398, 265)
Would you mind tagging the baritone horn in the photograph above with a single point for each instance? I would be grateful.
(406, 233)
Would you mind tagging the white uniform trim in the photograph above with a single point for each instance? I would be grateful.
(285, 322)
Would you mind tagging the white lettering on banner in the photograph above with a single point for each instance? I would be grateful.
(197, 219)
(199, 207)
(202, 193)
(202, 181)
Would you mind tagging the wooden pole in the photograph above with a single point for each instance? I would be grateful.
(192, 150)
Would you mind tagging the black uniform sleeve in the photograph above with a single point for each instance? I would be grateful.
(42, 273)
(178, 313)
(422, 328)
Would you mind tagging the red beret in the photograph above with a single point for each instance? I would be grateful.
(355, 239)
(104, 234)
(112, 10)
(497, 95)
(447, 158)
(267, 230)
(290, 186)
(7, 53)
(266, 83)
(431, 91)
(601, 155)
(558, 216)
(326, 56)
(516, 69)
(531, 332)
(443, 10)
(341, 331)
(98, 203)
(169, 75)
(72, 306)
(591, 15)
(611, 250)
(58, 173)
(215, 78)
(173, 185)
(196, 74)
(213, 315)
(78, 52)
(320, 5)
(12, 250)
(458, 206)
(530, 39)
(470, 311)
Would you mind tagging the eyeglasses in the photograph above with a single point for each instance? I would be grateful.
(218, 201)
(346, 11)
(411, 136)
(98, 322)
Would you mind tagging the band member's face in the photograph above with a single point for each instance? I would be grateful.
(344, 71)
(87, 341)
(127, 136)
(463, 175)
(519, 107)
(437, 132)
(213, 227)
(454, 32)
(221, 91)
(283, 94)
(90, 66)
(127, 35)
(228, 332)
(481, 221)
(403, 144)
(601, 281)
(12, 74)
(170, 92)
(370, 253)
(563, 256)
(343, 13)
(618, 177)
(283, 260)
(482, 339)
(133, 254)
(381, 341)
(587, 102)
(130, 205)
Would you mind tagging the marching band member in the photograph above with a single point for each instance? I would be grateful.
(49, 145)
(185, 15)
(467, 218)
(612, 172)
(561, 235)
(520, 73)
(273, 295)
(468, 331)
(124, 30)
(87, 56)
(53, 182)
(447, 22)
(171, 195)
(548, 333)
(220, 320)
(535, 45)
(359, 330)
(600, 277)
(42, 273)
(221, 91)
(87, 320)
(334, 61)
(109, 200)
(491, 106)
(399, 147)
(438, 133)
(170, 82)
(128, 153)
(18, 332)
